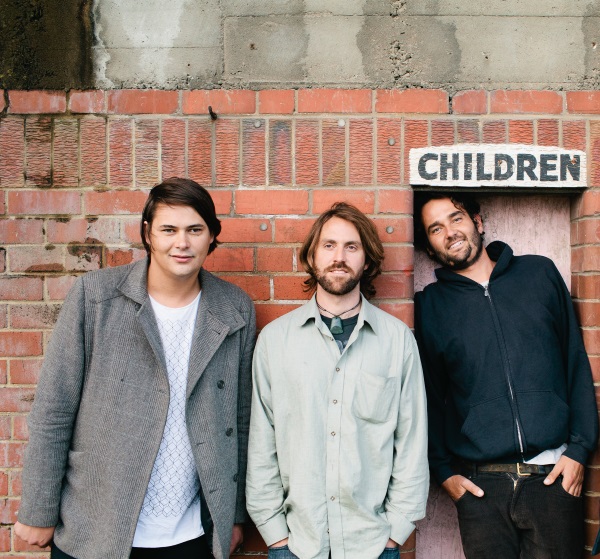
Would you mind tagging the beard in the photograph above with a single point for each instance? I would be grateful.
(465, 258)
(338, 286)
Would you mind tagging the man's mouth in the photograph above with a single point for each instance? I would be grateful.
(181, 257)
(456, 245)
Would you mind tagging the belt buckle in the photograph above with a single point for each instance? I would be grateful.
(519, 472)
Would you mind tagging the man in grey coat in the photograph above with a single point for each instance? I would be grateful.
(139, 429)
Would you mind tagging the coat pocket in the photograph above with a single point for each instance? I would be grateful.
(373, 397)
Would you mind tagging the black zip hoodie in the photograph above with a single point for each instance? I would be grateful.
(506, 371)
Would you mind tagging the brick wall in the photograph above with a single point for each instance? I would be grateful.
(75, 169)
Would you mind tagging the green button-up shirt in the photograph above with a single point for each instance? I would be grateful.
(338, 442)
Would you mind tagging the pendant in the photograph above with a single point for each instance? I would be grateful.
(336, 325)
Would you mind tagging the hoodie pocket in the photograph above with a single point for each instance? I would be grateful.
(544, 418)
(490, 428)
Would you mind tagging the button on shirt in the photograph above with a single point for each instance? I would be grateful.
(337, 456)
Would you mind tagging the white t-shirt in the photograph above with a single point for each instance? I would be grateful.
(171, 511)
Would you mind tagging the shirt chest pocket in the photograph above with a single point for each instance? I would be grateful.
(374, 397)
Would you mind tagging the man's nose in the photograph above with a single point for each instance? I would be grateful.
(182, 239)
(338, 254)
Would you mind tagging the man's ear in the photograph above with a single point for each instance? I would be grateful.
(478, 221)
(147, 234)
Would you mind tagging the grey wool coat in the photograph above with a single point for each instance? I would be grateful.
(101, 406)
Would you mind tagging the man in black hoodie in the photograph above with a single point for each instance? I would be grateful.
(512, 413)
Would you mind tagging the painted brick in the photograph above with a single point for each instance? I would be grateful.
(83, 258)
(20, 288)
(334, 101)
(583, 102)
(402, 311)
(290, 288)
(21, 231)
(120, 257)
(25, 371)
(173, 148)
(398, 201)
(494, 132)
(470, 102)
(230, 259)
(120, 152)
(142, 101)
(547, 134)
(271, 202)
(307, 152)
(267, 312)
(114, 202)
(360, 159)
(245, 230)
(467, 131)
(12, 144)
(276, 101)
(394, 286)
(257, 287)
(402, 230)
(398, 259)
(334, 153)
(253, 152)
(93, 151)
(18, 344)
(59, 286)
(92, 101)
(442, 133)
(8, 514)
(91, 230)
(43, 202)
(33, 317)
(290, 230)
(37, 259)
(227, 152)
(412, 101)
(364, 200)
(38, 138)
(200, 151)
(415, 136)
(222, 102)
(389, 151)
(574, 134)
(66, 153)
(37, 102)
(520, 132)
(526, 102)
(130, 230)
(274, 259)
(146, 153)
(280, 152)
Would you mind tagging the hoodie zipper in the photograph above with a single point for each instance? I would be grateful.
(506, 363)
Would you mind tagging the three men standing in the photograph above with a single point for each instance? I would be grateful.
(337, 454)
(512, 413)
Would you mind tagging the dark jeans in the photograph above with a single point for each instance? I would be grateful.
(520, 518)
(193, 549)
(284, 552)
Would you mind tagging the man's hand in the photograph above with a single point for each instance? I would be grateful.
(280, 543)
(237, 537)
(391, 543)
(34, 535)
(572, 473)
(457, 486)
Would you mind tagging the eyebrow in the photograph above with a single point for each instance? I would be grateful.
(175, 226)
(345, 244)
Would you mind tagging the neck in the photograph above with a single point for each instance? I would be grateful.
(172, 292)
(481, 270)
(336, 305)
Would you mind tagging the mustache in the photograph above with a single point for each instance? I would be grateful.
(340, 266)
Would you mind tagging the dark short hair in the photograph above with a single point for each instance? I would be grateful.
(181, 192)
(368, 237)
(460, 200)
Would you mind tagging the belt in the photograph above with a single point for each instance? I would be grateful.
(519, 468)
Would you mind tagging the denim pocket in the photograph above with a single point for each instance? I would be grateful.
(282, 552)
(390, 553)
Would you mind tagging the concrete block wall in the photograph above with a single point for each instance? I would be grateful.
(75, 169)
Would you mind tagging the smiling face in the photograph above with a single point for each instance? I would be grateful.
(455, 239)
(179, 240)
(339, 258)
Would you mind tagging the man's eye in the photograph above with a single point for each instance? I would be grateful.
(168, 230)
(328, 246)
(435, 230)
(196, 230)
(351, 248)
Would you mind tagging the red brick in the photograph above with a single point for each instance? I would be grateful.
(588, 204)
(15, 483)
(472, 102)
(574, 134)
(93, 151)
(8, 514)
(25, 371)
(588, 313)
(4, 493)
(398, 259)
(20, 288)
(223, 200)
(200, 151)
(289, 230)
(583, 102)
(402, 311)
(594, 152)
(5, 430)
(586, 287)
(591, 481)
(334, 100)
(266, 313)
(394, 286)
(494, 132)
(520, 132)
(585, 259)
(87, 101)
(37, 102)
(58, 287)
(146, 153)
(38, 138)
(415, 136)
(12, 142)
(33, 317)
(253, 152)
(253, 540)
(364, 200)
(114, 202)
(290, 288)
(2, 260)
(595, 365)
(120, 152)
(120, 257)
(506, 101)
(173, 148)
(467, 131)
(307, 152)
(83, 258)
(389, 155)
(222, 101)
(412, 101)
(43, 202)
(547, 134)
(591, 340)
(227, 152)
(21, 231)
(360, 159)
(245, 230)
(274, 259)
(276, 101)
(92, 230)
(3, 371)
(280, 152)
(399, 201)
(257, 287)
(588, 231)
(20, 344)
(34, 259)
(230, 259)
(402, 229)
(334, 153)
(2, 102)
(271, 202)
(442, 132)
(66, 153)
(142, 101)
